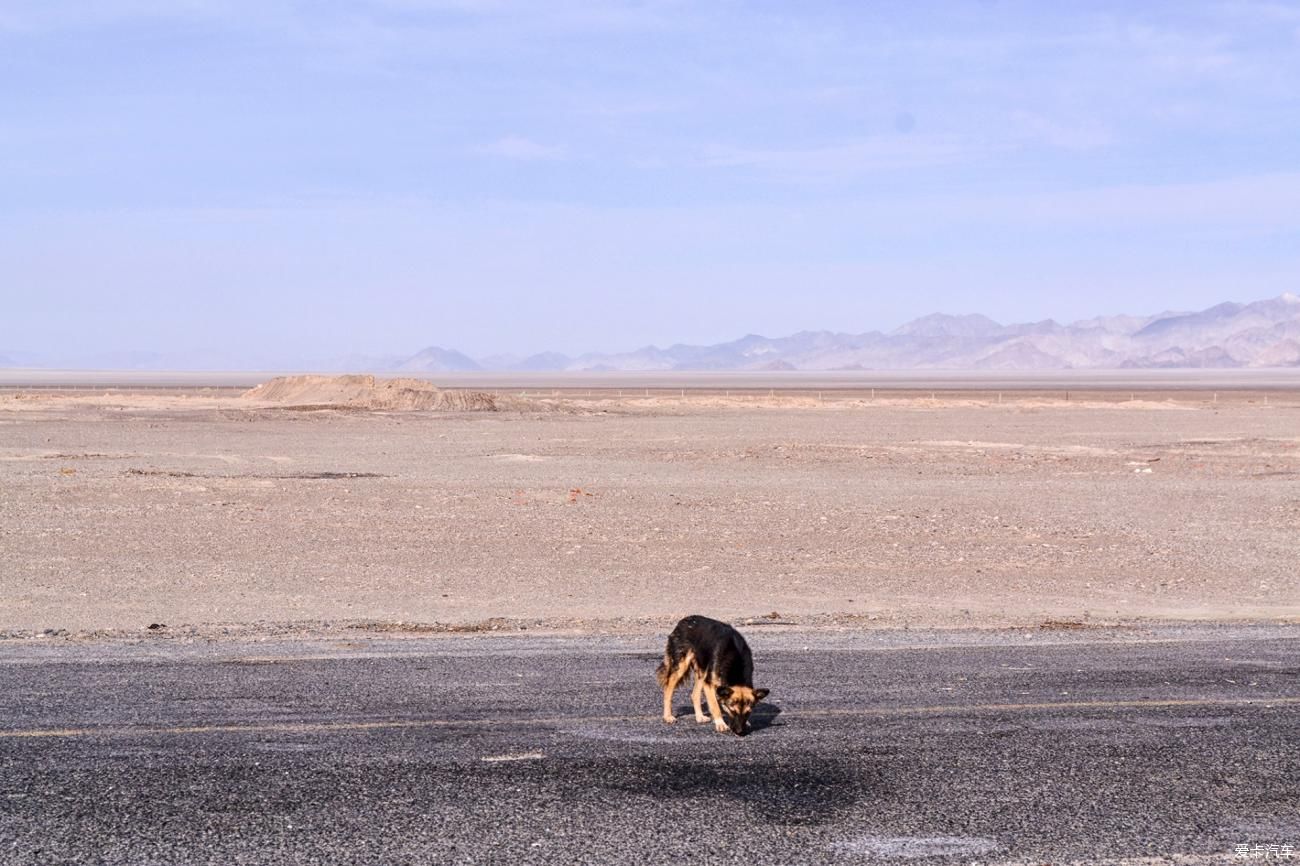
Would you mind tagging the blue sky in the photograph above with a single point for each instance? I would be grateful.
(313, 179)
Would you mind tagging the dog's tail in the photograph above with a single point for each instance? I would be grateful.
(664, 670)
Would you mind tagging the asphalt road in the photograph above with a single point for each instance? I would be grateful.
(1020, 748)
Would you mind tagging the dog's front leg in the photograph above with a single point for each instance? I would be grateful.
(711, 695)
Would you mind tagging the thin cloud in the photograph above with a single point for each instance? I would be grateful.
(1072, 134)
(860, 157)
(37, 16)
(523, 149)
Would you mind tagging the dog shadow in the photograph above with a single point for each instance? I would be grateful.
(764, 717)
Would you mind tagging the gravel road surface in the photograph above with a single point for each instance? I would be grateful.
(1002, 747)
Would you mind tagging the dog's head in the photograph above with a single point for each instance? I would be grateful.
(738, 702)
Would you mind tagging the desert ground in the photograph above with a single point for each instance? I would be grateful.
(206, 511)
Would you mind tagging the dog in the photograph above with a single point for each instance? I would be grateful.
(723, 668)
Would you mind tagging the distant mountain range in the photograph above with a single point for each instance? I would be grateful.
(1260, 334)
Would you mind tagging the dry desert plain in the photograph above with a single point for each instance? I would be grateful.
(212, 513)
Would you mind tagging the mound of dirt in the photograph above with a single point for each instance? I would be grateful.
(367, 392)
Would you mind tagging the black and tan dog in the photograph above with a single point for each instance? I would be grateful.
(718, 657)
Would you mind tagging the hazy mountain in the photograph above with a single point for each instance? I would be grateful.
(542, 361)
(942, 325)
(1263, 333)
(437, 360)
(1018, 355)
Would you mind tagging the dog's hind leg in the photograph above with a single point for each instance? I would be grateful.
(697, 690)
(671, 676)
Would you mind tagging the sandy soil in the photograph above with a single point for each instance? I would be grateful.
(122, 511)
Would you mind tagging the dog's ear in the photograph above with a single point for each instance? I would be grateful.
(759, 694)
(724, 693)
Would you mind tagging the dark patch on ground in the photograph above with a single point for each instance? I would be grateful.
(782, 789)
(293, 476)
(1063, 625)
(487, 625)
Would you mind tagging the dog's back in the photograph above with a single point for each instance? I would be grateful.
(716, 651)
